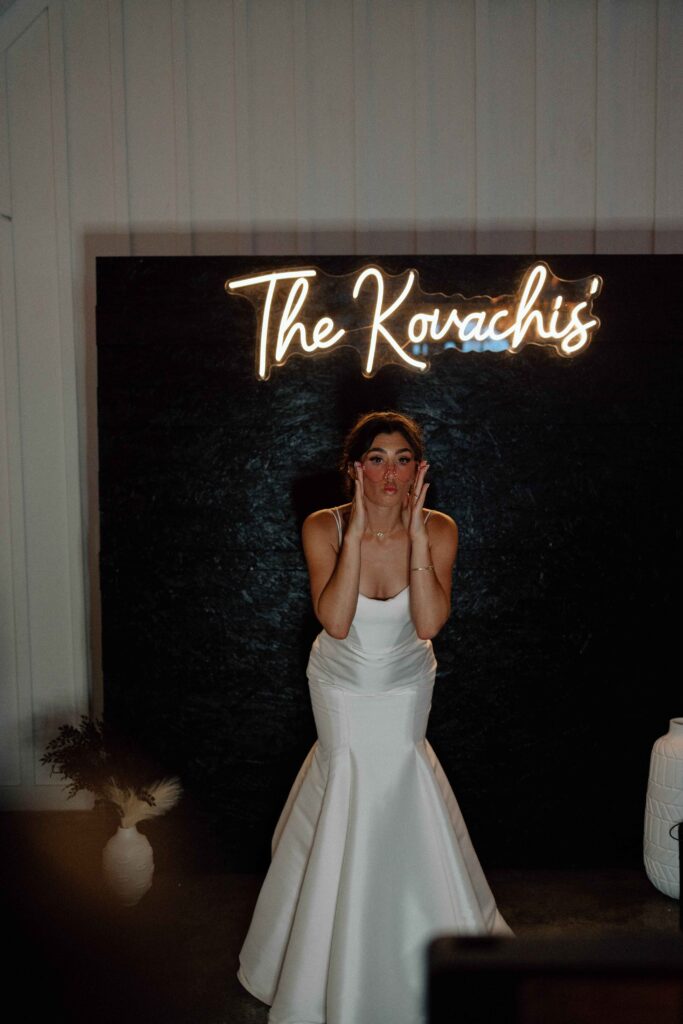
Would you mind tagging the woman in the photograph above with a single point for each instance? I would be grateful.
(371, 856)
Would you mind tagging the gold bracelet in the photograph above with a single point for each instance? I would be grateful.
(423, 568)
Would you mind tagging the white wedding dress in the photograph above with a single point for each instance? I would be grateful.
(371, 857)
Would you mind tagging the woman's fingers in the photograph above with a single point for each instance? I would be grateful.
(420, 500)
(419, 485)
(358, 504)
(420, 491)
(359, 480)
(418, 505)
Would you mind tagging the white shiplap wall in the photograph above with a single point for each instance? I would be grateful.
(270, 126)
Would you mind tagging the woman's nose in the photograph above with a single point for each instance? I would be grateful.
(390, 471)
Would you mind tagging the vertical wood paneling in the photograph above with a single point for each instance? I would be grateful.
(90, 134)
(71, 387)
(384, 74)
(324, 101)
(10, 752)
(626, 113)
(246, 239)
(445, 129)
(15, 20)
(505, 114)
(99, 227)
(5, 191)
(669, 129)
(118, 118)
(565, 126)
(156, 175)
(49, 443)
(98, 205)
(267, 122)
(180, 124)
(212, 127)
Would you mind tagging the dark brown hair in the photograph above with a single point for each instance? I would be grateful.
(366, 429)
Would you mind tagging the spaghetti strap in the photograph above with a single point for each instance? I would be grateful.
(429, 512)
(337, 518)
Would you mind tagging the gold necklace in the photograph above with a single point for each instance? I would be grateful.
(380, 533)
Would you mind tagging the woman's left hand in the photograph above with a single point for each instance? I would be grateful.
(413, 519)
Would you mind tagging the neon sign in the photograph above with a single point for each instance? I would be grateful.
(389, 319)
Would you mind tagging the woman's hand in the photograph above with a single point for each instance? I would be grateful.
(413, 519)
(358, 518)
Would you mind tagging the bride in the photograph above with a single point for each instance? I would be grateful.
(387, 543)
(371, 855)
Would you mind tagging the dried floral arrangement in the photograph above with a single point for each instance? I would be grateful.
(92, 757)
(151, 802)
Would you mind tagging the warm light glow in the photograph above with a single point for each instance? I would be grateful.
(272, 279)
(380, 317)
(386, 315)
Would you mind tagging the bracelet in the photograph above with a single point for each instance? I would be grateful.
(423, 568)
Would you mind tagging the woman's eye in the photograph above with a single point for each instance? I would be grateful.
(404, 460)
(376, 459)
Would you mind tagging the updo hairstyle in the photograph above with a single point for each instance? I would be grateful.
(364, 432)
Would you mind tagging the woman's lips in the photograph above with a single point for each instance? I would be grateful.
(390, 489)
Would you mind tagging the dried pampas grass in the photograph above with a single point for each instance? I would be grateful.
(138, 805)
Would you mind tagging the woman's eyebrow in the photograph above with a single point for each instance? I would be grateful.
(399, 451)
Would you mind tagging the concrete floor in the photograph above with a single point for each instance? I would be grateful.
(173, 957)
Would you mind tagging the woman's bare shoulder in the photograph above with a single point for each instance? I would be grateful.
(323, 523)
(442, 530)
(440, 521)
(322, 519)
(325, 514)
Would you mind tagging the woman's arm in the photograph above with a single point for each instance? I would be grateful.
(430, 589)
(433, 547)
(335, 574)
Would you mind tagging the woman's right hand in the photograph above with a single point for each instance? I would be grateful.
(357, 519)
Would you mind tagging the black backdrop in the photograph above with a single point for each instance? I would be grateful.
(558, 667)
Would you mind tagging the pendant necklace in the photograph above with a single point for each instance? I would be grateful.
(381, 533)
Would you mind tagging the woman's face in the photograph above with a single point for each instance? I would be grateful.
(389, 468)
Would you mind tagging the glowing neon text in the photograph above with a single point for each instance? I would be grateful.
(388, 320)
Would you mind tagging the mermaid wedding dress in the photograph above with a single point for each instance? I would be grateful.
(371, 857)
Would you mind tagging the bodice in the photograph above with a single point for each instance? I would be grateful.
(381, 653)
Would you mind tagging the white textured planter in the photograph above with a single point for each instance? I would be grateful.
(128, 865)
(663, 808)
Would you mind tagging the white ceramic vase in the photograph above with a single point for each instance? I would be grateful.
(128, 865)
(663, 808)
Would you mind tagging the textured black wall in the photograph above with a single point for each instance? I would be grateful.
(556, 670)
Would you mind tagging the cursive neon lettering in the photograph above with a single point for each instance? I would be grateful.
(380, 316)
(322, 328)
(546, 311)
(452, 321)
(419, 327)
(526, 314)
(579, 329)
(289, 326)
